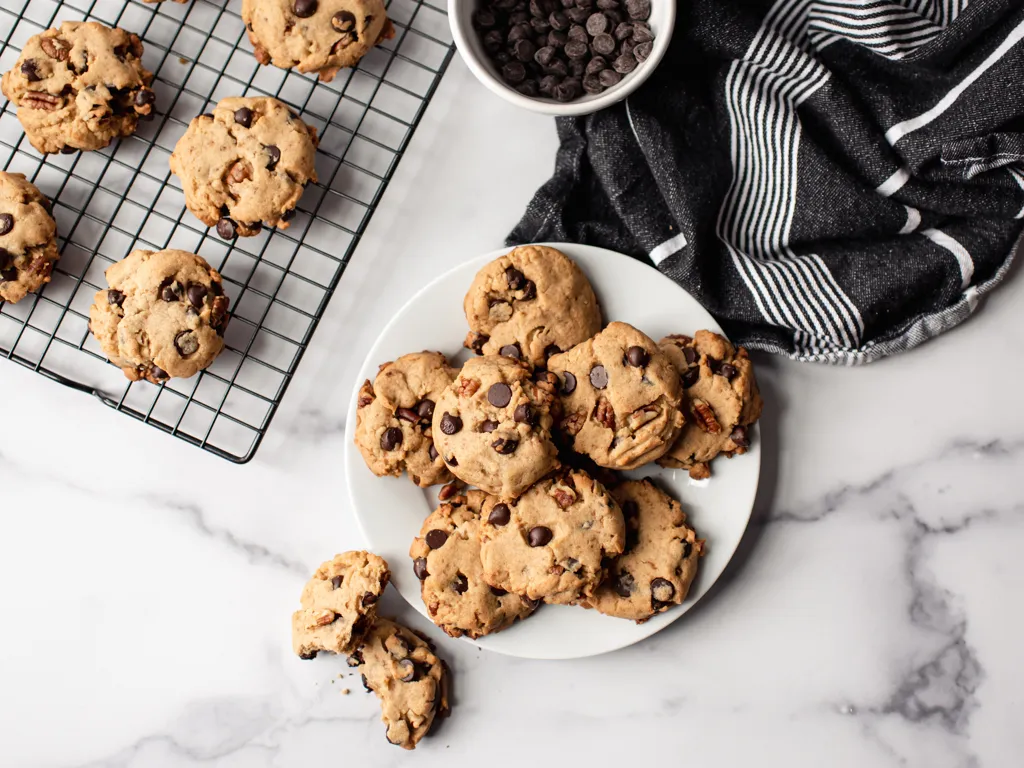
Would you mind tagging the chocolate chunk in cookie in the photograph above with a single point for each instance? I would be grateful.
(28, 245)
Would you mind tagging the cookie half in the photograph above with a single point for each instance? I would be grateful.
(552, 542)
(28, 238)
(721, 398)
(446, 559)
(620, 398)
(339, 604)
(411, 682)
(660, 560)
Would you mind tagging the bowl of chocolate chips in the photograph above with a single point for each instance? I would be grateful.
(562, 57)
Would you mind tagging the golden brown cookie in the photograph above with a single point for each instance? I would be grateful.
(620, 398)
(339, 604)
(319, 36)
(446, 559)
(492, 426)
(400, 666)
(655, 570)
(394, 415)
(28, 245)
(164, 315)
(531, 303)
(245, 164)
(551, 544)
(721, 397)
(79, 86)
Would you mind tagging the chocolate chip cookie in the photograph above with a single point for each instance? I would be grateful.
(446, 559)
(721, 397)
(28, 245)
(492, 426)
(394, 417)
(551, 544)
(79, 86)
(245, 164)
(320, 36)
(531, 303)
(164, 315)
(339, 604)
(655, 570)
(620, 398)
(400, 666)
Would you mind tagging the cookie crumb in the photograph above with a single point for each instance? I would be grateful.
(345, 691)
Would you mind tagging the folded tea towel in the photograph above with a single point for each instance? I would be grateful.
(835, 180)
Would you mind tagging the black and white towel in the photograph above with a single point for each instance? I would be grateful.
(835, 180)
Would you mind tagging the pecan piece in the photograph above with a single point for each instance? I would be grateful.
(563, 497)
(56, 48)
(219, 311)
(240, 171)
(573, 423)
(260, 53)
(704, 416)
(450, 493)
(135, 44)
(366, 395)
(700, 471)
(44, 267)
(321, 619)
(467, 387)
(604, 413)
(641, 416)
(40, 100)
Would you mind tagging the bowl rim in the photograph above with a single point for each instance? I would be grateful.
(461, 32)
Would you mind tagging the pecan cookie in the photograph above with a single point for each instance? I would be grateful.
(394, 414)
(446, 559)
(721, 396)
(551, 544)
(245, 163)
(28, 245)
(492, 426)
(655, 570)
(164, 315)
(531, 303)
(400, 666)
(339, 604)
(620, 398)
(79, 86)
(319, 36)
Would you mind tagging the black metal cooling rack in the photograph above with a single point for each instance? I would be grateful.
(109, 202)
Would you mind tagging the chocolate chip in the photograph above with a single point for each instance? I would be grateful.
(729, 371)
(529, 291)
(597, 23)
(637, 357)
(595, 65)
(662, 590)
(488, 426)
(575, 49)
(623, 584)
(425, 408)
(592, 84)
(505, 446)
(354, 659)
(115, 298)
(158, 373)
(624, 64)
(461, 584)
(739, 436)
(408, 414)
(539, 536)
(9, 275)
(543, 56)
(344, 21)
(500, 515)
(499, 395)
(568, 383)
(308, 655)
(451, 462)
(450, 424)
(519, 32)
(609, 77)
(187, 343)
(243, 117)
(690, 355)
(419, 567)
(66, 150)
(598, 377)
(288, 215)
(548, 82)
(6, 223)
(511, 350)
(524, 414)
(436, 538)
(366, 685)
(196, 294)
(607, 5)
(524, 50)
(641, 32)
(577, 34)
(528, 88)
(498, 592)
(432, 452)
(578, 15)
(144, 97)
(551, 349)
(406, 670)
(642, 51)
(336, 581)
(623, 31)
(369, 598)
(275, 157)
(638, 9)
(557, 39)
(689, 378)
(559, 21)
(513, 72)
(687, 549)
(559, 68)
(31, 72)
(493, 40)
(170, 290)
(567, 90)
(305, 8)
(227, 229)
(604, 44)
(391, 439)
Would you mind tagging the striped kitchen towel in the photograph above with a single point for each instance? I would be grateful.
(835, 180)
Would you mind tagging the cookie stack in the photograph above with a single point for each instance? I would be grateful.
(539, 424)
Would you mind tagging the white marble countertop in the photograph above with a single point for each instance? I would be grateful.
(871, 618)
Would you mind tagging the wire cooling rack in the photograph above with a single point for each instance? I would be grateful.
(112, 201)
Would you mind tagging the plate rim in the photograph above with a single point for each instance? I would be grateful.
(658, 622)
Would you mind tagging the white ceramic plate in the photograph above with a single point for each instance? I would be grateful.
(391, 510)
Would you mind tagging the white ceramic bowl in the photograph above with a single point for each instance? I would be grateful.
(467, 40)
